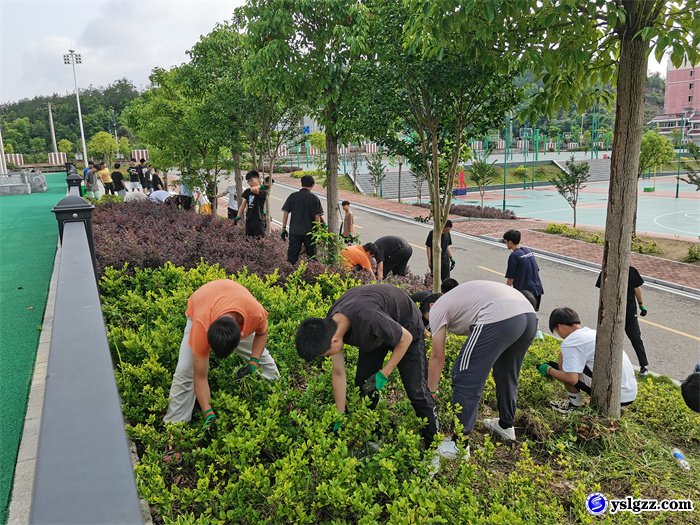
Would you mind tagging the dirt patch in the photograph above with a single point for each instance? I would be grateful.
(671, 249)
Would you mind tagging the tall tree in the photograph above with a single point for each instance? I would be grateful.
(103, 146)
(426, 107)
(482, 174)
(573, 46)
(693, 175)
(308, 50)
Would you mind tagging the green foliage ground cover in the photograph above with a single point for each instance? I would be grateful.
(274, 461)
(639, 245)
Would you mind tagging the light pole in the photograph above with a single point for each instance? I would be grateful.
(505, 159)
(74, 58)
(3, 164)
(680, 150)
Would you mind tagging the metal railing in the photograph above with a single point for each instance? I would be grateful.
(83, 472)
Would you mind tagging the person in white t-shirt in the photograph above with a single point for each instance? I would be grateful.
(232, 208)
(575, 366)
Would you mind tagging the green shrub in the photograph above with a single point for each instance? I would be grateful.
(316, 174)
(693, 254)
(274, 461)
(646, 247)
(574, 233)
(108, 199)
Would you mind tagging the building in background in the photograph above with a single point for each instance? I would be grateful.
(681, 102)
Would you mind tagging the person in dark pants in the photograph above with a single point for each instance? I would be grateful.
(393, 254)
(252, 206)
(447, 262)
(378, 319)
(634, 334)
(501, 324)
(306, 209)
(522, 272)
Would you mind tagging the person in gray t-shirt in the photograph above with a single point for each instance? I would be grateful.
(501, 323)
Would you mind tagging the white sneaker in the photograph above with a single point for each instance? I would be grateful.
(493, 426)
(447, 449)
(539, 335)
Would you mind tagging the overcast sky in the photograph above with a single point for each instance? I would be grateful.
(117, 38)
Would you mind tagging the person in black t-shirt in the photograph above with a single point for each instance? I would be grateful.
(634, 334)
(118, 181)
(306, 209)
(392, 256)
(252, 206)
(522, 272)
(134, 178)
(447, 263)
(378, 319)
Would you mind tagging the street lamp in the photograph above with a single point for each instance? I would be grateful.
(73, 58)
(680, 149)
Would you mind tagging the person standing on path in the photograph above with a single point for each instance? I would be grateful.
(347, 230)
(522, 272)
(392, 256)
(575, 365)
(223, 317)
(634, 334)
(252, 206)
(501, 323)
(377, 319)
(232, 208)
(306, 209)
(106, 179)
(118, 181)
(447, 263)
(134, 178)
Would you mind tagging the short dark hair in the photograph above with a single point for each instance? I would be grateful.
(307, 181)
(370, 247)
(117, 166)
(425, 304)
(512, 236)
(565, 316)
(223, 335)
(344, 203)
(448, 284)
(314, 337)
(448, 224)
(142, 160)
(90, 163)
(690, 389)
(252, 174)
(530, 297)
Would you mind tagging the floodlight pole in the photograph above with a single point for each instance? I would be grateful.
(3, 164)
(505, 161)
(72, 57)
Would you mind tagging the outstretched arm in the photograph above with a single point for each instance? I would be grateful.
(398, 352)
(339, 381)
(437, 358)
(201, 382)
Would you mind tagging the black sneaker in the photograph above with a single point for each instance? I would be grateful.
(563, 407)
(643, 371)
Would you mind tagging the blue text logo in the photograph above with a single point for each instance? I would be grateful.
(596, 503)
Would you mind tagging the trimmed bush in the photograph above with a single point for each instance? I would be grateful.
(486, 212)
(274, 461)
(693, 254)
(316, 174)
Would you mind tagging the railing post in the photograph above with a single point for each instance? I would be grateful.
(73, 179)
(76, 209)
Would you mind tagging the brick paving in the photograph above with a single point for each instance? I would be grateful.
(655, 267)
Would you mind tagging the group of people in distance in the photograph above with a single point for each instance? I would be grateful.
(138, 178)
(500, 320)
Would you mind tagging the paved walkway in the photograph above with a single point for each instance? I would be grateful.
(662, 269)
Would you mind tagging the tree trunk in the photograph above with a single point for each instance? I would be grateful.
(436, 205)
(574, 208)
(238, 176)
(400, 163)
(631, 85)
(268, 215)
(332, 180)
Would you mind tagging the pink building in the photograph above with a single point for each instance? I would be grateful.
(681, 102)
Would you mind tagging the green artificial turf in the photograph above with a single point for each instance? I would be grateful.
(28, 235)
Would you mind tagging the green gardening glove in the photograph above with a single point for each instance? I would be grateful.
(248, 369)
(236, 219)
(374, 383)
(543, 369)
(284, 234)
(643, 311)
(264, 187)
(452, 263)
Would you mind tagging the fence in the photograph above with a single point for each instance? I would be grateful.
(14, 158)
(83, 471)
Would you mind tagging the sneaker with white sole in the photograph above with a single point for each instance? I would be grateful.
(493, 426)
(563, 407)
(643, 371)
(446, 450)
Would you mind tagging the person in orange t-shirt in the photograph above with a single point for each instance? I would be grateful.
(359, 258)
(223, 317)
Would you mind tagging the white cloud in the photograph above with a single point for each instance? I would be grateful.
(117, 38)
